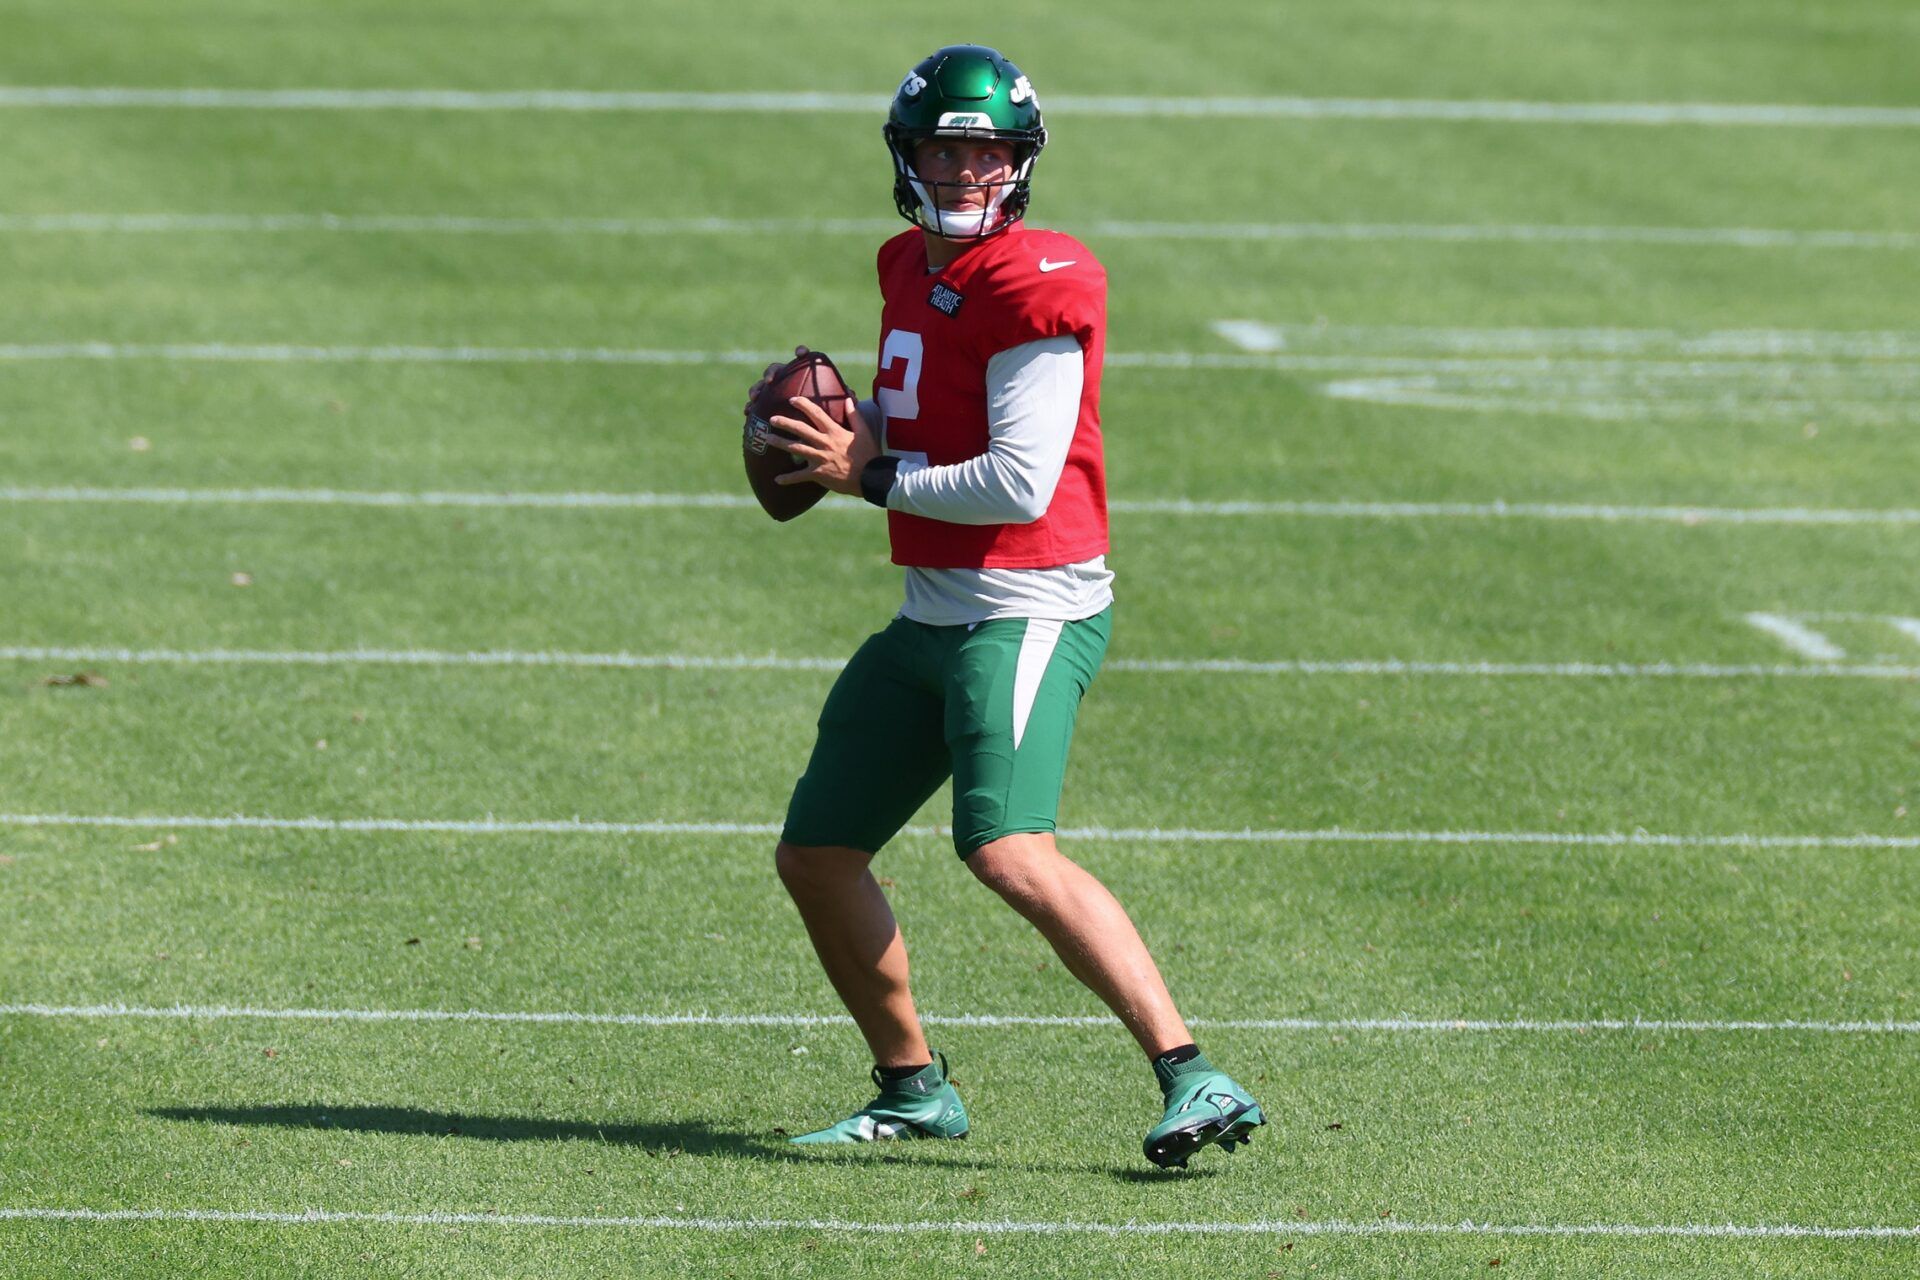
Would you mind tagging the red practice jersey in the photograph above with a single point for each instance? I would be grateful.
(937, 333)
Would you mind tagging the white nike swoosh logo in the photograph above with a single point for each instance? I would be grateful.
(1046, 266)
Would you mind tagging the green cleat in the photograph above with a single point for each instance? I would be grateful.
(921, 1106)
(1204, 1106)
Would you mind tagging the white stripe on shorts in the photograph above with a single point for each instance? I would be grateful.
(1036, 651)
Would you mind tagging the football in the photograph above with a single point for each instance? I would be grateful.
(813, 376)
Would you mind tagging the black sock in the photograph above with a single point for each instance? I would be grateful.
(1177, 1055)
(901, 1073)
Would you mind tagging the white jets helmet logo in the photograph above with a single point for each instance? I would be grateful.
(913, 84)
(1021, 92)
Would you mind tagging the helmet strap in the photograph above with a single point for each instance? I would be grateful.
(965, 224)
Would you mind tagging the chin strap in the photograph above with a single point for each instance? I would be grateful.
(960, 223)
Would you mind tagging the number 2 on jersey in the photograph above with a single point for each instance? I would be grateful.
(901, 402)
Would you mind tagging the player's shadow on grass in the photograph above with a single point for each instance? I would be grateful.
(694, 1138)
(691, 1137)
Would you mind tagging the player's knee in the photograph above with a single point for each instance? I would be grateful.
(1015, 867)
(791, 863)
(807, 869)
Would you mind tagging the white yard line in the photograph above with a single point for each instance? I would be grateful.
(397, 498)
(281, 353)
(1524, 511)
(1473, 233)
(1864, 395)
(1791, 628)
(1500, 111)
(1689, 515)
(463, 224)
(774, 662)
(1562, 670)
(979, 1020)
(986, 1227)
(1252, 335)
(1797, 636)
(1099, 229)
(1547, 396)
(1535, 341)
(478, 826)
(1838, 344)
(425, 658)
(1145, 835)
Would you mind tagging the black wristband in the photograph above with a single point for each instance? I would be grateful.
(877, 477)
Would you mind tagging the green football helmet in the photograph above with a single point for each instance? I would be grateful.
(964, 91)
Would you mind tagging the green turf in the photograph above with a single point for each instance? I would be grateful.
(1369, 1127)
(512, 921)
(635, 429)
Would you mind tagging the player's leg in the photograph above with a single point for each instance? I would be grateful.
(879, 755)
(1088, 929)
(859, 945)
(1097, 942)
(1014, 693)
(1011, 709)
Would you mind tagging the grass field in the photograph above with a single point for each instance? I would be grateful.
(1517, 757)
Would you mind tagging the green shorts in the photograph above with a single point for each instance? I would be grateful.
(992, 705)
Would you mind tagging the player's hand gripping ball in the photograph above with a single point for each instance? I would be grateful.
(810, 374)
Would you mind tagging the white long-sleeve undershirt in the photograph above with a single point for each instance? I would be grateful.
(1033, 410)
(1033, 407)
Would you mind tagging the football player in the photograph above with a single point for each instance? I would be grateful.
(982, 443)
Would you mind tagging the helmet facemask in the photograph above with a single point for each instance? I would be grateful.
(919, 199)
